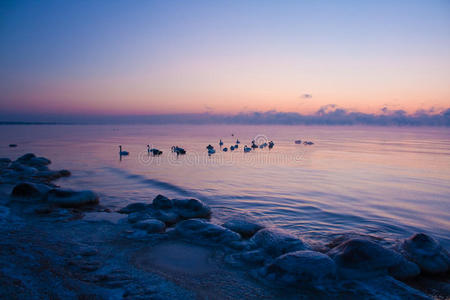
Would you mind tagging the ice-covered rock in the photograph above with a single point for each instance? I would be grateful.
(201, 230)
(150, 225)
(38, 161)
(24, 169)
(191, 208)
(162, 202)
(69, 198)
(301, 268)
(252, 257)
(362, 257)
(138, 216)
(427, 253)
(134, 207)
(4, 162)
(245, 228)
(29, 190)
(166, 216)
(26, 157)
(276, 242)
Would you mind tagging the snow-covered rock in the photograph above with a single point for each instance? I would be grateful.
(150, 225)
(200, 230)
(276, 242)
(69, 198)
(362, 257)
(191, 208)
(162, 202)
(427, 253)
(301, 268)
(245, 228)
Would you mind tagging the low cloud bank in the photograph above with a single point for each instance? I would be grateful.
(326, 115)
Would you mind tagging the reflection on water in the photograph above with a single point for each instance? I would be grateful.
(378, 180)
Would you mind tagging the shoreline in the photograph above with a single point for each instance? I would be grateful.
(63, 243)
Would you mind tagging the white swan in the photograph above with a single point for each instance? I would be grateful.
(122, 152)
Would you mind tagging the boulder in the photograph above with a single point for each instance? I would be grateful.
(138, 216)
(191, 208)
(245, 228)
(427, 253)
(38, 161)
(134, 207)
(362, 257)
(276, 242)
(69, 198)
(162, 202)
(252, 257)
(302, 268)
(27, 190)
(166, 216)
(150, 225)
(26, 157)
(203, 231)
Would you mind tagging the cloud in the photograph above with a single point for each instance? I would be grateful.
(306, 96)
(329, 114)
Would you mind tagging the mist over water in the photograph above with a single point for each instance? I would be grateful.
(384, 181)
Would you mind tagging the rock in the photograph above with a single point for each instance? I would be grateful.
(162, 202)
(404, 270)
(150, 225)
(27, 170)
(245, 228)
(49, 175)
(361, 257)
(138, 216)
(69, 198)
(134, 207)
(4, 162)
(203, 231)
(191, 208)
(168, 217)
(300, 268)
(427, 253)
(26, 157)
(64, 173)
(276, 242)
(37, 161)
(252, 257)
(26, 190)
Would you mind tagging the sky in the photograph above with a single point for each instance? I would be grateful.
(223, 57)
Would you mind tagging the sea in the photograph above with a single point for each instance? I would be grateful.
(385, 182)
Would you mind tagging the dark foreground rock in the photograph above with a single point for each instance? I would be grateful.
(69, 198)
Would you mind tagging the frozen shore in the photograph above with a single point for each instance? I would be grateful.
(65, 244)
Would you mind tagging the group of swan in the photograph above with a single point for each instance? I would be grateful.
(210, 148)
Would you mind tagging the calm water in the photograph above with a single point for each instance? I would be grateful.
(388, 182)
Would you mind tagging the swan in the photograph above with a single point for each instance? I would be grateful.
(298, 142)
(308, 143)
(178, 150)
(236, 146)
(237, 141)
(254, 145)
(154, 151)
(225, 149)
(247, 149)
(211, 151)
(231, 148)
(209, 147)
(220, 143)
(271, 144)
(122, 152)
